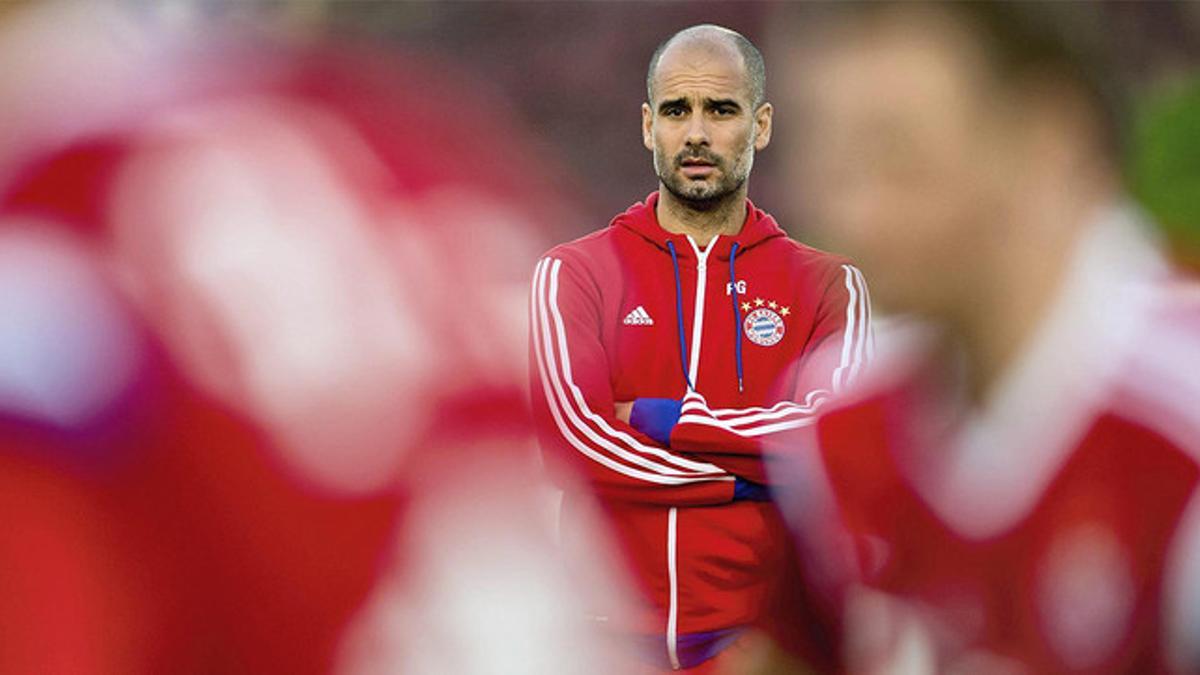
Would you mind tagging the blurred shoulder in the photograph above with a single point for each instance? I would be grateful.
(1160, 384)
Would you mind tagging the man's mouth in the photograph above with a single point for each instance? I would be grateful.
(696, 167)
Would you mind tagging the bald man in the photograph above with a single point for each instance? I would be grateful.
(668, 344)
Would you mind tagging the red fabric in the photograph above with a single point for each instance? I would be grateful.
(1123, 485)
(585, 356)
(69, 601)
(192, 545)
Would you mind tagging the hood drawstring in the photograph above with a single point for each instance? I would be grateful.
(737, 314)
(679, 315)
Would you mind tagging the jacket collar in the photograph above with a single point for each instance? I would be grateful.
(641, 218)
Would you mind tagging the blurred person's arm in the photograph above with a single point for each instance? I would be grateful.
(739, 439)
(574, 408)
(1181, 593)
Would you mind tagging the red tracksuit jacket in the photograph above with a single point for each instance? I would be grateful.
(1060, 542)
(1076, 585)
(632, 311)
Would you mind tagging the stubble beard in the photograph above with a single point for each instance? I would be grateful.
(701, 195)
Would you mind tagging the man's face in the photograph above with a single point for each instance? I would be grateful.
(900, 164)
(701, 125)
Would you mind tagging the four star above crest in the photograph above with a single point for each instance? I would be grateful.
(759, 302)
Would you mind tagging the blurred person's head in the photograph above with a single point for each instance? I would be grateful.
(706, 114)
(945, 146)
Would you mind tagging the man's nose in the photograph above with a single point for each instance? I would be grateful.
(697, 131)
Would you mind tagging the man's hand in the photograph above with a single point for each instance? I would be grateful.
(624, 408)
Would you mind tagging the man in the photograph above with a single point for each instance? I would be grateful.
(694, 292)
(1016, 472)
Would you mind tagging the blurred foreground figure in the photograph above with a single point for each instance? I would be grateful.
(261, 364)
(1017, 474)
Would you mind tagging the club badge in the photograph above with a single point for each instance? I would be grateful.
(764, 325)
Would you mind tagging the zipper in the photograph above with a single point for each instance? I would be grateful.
(698, 314)
(672, 576)
(672, 515)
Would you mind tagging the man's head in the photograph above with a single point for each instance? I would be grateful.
(706, 114)
(943, 146)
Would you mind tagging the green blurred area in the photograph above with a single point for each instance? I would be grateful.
(1164, 164)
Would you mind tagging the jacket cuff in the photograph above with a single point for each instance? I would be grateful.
(656, 417)
(746, 490)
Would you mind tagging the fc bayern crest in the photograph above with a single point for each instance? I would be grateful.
(764, 327)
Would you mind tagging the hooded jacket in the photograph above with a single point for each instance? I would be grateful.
(733, 332)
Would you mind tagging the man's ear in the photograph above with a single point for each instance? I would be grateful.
(762, 125)
(648, 127)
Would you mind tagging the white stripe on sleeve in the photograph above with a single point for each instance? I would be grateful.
(856, 350)
(581, 427)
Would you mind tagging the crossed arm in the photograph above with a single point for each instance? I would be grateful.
(742, 440)
(707, 456)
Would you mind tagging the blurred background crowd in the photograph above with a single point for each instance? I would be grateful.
(263, 282)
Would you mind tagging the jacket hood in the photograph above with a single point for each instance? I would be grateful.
(641, 218)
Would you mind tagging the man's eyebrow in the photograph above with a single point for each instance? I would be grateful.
(719, 102)
(680, 102)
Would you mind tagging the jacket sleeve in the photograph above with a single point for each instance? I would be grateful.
(840, 345)
(573, 403)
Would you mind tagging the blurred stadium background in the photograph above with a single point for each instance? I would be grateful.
(574, 71)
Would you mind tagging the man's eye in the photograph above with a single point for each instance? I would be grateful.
(673, 112)
(726, 111)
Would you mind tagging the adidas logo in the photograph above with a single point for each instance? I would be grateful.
(638, 317)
